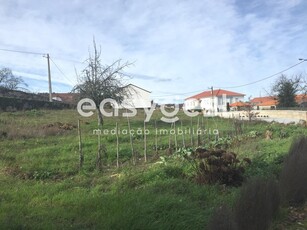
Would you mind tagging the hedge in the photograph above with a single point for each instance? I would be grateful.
(11, 104)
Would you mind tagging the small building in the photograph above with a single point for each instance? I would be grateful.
(262, 103)
(69, 98)
(212, 101)
(137, 97)
(301, 100)
(239, 106)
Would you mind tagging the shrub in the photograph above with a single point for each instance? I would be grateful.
(216, 166)
(258, 202)
(293, 176)
(173, 172)
(222, 219)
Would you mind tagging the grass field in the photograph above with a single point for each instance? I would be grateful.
(43, 188)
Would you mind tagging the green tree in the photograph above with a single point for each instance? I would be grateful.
(9, 81)
(98, 82)
(286, 89)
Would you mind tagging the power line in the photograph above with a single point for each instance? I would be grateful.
(178, 94)
(225, 87)
(238, 86)
(69, 60)
(263, 79)
(19, 51)
(61, 71)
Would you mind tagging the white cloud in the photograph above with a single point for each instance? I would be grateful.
(183, 46)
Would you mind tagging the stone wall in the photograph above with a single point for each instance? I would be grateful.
(290, 114)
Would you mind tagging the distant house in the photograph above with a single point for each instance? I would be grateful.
(268, 102)
(137, 97)
(69, 98)
(271, 102)
(218, 100)
(238, 106)
(301, 100)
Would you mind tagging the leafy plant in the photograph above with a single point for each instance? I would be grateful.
(253, 134)
(216, 166)
(41, 175)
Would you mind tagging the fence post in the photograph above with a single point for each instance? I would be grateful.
(117, 146)
(145, 146)
(81, 157)
(131, 141)
(156, 137)
(183, 141)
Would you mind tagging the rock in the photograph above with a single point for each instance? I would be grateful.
(302, 122)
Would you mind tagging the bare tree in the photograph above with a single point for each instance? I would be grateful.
(9, 81)
(99, 82)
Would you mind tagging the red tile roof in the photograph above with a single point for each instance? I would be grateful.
(216, 92)
(259, 100)
(301, 98)
(271, 100)
(239, 104)
(268, 103)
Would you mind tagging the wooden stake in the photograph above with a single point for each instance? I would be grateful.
(131, 142)
(169, 139)
(145, 146)
(170, 150)
(98, 160)
(156, 137)
(81, 157)
(176, 144)
(198, 136)
(117, 146)
(183, 141)
(191, 132)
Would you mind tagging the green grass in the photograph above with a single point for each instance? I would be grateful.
(42, 188)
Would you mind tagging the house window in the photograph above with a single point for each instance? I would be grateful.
(220, 102)
(236, 99)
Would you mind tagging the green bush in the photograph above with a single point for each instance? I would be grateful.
(13, 104)
(216, 166)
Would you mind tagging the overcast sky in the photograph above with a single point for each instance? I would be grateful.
(178, 47)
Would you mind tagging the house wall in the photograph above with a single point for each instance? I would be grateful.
(266, 107)
(206, 104)
(220, 102)
(138, 98)
(192, 104)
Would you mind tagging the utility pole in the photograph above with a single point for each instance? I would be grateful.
(49, 78)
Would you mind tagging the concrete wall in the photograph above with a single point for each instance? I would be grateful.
(289, 114)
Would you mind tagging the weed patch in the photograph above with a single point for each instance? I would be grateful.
(222, 219)
(257, 204)
(293, 176)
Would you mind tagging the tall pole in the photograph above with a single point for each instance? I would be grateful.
(49, 78)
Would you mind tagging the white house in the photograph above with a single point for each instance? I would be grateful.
(217, 100)
(137, 97)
